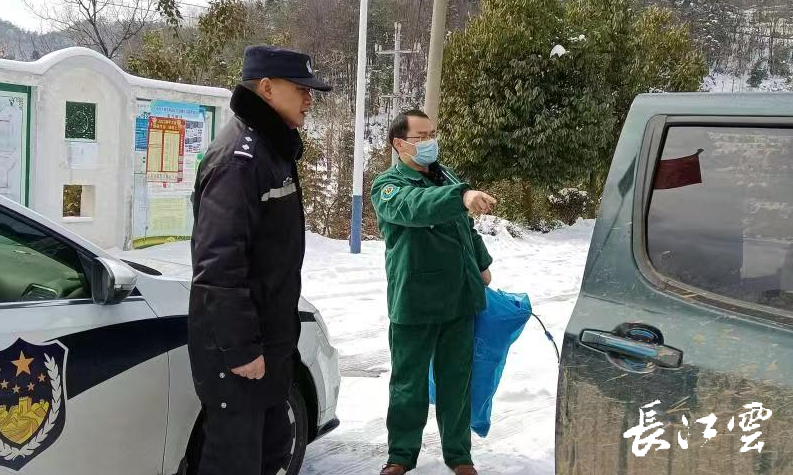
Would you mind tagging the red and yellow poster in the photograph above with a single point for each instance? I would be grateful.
(165, 150)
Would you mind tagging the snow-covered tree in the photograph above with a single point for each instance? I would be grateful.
(537, 90)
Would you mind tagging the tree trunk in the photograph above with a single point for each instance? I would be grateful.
(527, 201)
(592, 191)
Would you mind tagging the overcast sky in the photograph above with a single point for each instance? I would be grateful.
(15, 12)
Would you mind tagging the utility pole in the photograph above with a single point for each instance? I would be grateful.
(360, 102)
(433, 96)
(397, 52)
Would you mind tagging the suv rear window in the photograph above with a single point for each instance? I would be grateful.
(721, 212)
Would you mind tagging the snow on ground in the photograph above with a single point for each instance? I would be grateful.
(350, 292)
(731, 83)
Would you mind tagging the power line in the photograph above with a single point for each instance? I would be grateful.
(45, 15)
(205, 7)
(154, 10)
(178, 3)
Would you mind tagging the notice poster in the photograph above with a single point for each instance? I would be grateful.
(12, 144)
(141, 133)
(140, 210)
(170, 139)
(165, 151)
(177, 110)
(82, 155)
(167, 216)
(193, 137)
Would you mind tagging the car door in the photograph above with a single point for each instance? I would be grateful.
(678, 358)
(82, 391)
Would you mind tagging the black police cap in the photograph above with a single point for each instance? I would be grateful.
(272, 62)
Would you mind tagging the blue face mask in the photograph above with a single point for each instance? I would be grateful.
(426, 153)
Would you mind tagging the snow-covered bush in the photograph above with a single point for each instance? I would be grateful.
(493, 226)
(568, 204)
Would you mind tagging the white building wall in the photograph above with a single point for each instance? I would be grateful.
(82, 75)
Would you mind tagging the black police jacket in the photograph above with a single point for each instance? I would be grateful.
(248, 246)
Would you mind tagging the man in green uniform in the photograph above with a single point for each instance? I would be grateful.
(437, 268)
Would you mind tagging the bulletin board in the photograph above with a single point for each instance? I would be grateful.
(170, 141)
(15, 142)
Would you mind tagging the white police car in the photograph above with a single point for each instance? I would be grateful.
(94, 371)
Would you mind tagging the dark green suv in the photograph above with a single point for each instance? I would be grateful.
(678, 358)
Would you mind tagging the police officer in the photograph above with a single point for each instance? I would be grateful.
(248, 246)
(437, 267)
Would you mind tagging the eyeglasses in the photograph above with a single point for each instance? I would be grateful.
(428, 136)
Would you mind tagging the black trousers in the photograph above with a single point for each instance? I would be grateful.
(246, 442)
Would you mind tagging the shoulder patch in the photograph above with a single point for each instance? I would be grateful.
(388, 192)
(245, 144)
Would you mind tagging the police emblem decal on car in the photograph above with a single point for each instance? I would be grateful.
(32, 400)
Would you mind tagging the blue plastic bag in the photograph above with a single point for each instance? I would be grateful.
(495, 330)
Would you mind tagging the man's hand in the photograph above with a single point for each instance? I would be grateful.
(478, 202)
(487, 277)
(252, 370)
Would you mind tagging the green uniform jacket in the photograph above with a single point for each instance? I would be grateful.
(434, 257)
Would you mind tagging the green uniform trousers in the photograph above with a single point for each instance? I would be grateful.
(451, 344)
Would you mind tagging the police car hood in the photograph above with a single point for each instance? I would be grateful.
(173, 261)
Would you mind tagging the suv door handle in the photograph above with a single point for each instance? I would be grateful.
(662, 355)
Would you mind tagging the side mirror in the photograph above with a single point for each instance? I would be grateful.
(112, 281)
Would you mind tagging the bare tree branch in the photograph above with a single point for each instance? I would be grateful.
(103, 25)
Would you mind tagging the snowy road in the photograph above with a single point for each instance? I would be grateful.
(350, 293)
